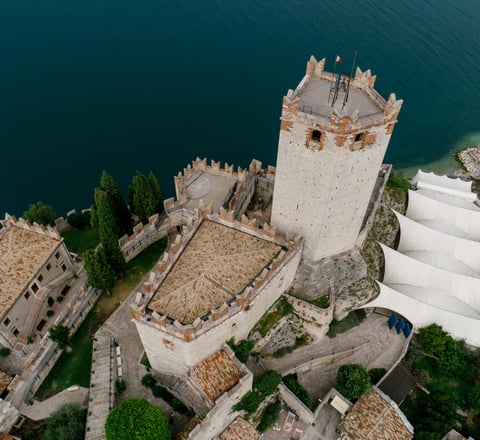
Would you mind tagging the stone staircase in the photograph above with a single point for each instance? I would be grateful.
(102, 395)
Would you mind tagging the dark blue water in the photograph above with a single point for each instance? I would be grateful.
(127, 85)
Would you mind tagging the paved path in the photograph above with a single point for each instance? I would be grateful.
(42, 410)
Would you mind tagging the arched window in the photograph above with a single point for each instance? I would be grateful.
(316, 135)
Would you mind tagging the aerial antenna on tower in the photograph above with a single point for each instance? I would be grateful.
(335, 81)
(345, 99)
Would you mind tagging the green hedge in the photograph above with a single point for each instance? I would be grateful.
(297, 388)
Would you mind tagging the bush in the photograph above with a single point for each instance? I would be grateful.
(376, 374)
(137, 419)
(4, 352)
(50, 313)
(298, 389)
(353, 380)
(68, 423)
(263, 386)
(61, 335)
(79, 220)
(120, 385)
(242, 350)
(398, 181)
(40, 213)
(269, 416)
(148, 381)
(60, 298)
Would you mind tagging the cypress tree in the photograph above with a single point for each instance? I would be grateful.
(157, 192)
(143, 197)
(118, 203)
(100, 273)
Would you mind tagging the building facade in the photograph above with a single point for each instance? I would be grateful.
(36, 271)
(334, 133)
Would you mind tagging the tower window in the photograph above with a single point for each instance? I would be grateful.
(359, 137)
(35, 287)
(316, 135)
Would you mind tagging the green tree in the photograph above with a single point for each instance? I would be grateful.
(353, 380)
(432, 339)
(449, 360)
(40, 213)
(143, 199)
(100, 273)
(157, 192)
(67, 423)
(436, 413)
(137, 419)
(61, 335)
(119, 206)
(108, 229)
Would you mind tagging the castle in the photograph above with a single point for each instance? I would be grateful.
(242, 235)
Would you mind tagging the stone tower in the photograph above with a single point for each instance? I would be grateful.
(334, 133)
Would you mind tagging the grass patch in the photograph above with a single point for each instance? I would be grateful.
(71, 368)
(80, 240)
(74, 368)
(323, 302)
(350, 321)
(144, 361)
(398, 181)
(280, 309)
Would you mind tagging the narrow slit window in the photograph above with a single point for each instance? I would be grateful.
(359, 137)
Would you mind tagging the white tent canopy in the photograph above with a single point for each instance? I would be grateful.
(438, 249)
(444, 185)
(443, 217)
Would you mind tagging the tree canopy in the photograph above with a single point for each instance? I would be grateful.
(137, 419)
(100, 273)
(61, 335)
(40, 213)
(145, 196)
(67, 423)
(353, 380)
(118, 205)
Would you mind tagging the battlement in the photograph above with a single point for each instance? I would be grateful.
(11, 220)
(211, 294)
(363, 106)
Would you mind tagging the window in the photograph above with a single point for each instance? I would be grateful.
(316, 135)
(27, 295)
(15, 332)
(40, 278)
(7, 322)
(359, 137)
(64, 268)
(49, 266)
(57, 255)
(35, 287)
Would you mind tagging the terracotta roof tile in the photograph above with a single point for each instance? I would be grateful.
(239, 429)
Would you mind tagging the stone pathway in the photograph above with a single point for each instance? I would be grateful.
(101, 386)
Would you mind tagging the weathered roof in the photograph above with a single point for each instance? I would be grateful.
(5, 380)
(239, 429)
(376, 417)
(217, 264)
(22, 254)
(216, 374)
(398, 384)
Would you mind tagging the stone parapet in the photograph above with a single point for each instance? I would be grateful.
(11, 220)
(291, 247)
(311, 312)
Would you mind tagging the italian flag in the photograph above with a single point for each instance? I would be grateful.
(338, 59)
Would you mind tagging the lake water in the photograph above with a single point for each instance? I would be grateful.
(127, 85)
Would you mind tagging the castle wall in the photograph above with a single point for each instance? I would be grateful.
(173, 348)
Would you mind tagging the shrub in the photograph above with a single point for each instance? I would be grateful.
(242, 350)
(4, 352)
(269, 416)
(50, 313)
(61, 335)
(79, 220)
(298, 389)
(148, 381)
(137, 419)
(60, 298)
(353, 380)
(376, 374)
(120, 385)
(68, 423)
(263, 386)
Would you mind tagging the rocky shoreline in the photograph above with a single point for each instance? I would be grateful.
(470, 160)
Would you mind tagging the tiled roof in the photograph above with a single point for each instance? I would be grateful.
(216, 374)
(22, 254)
(239, 429)
(375, 417)
(217, 264)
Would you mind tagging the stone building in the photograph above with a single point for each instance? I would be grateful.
(334, 133)
(215, 282)
(35, 270)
